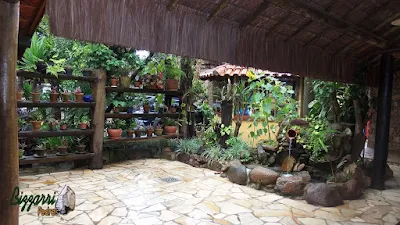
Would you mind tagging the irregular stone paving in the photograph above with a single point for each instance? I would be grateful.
(132, 192)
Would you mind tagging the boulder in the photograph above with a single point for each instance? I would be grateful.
(293, 186)
(287, 164)
(237, 173)
(304, 175)
(322, 194)
(351, 189)
(261, 154)
(263, 176)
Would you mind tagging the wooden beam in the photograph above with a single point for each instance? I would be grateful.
(218, 10)
(171, 5)
(253, 16)
(9, 168)
(37, 19)
(317, 14)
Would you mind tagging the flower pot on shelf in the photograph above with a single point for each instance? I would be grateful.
(173, 110)
(41, 67)
(81, 149)
(146, 108)
(19, 95)
(62, 150)
(78, 97)
(117, 109)
(63, 127)
(68, 71)
(137, 84)
(170, 130)
(149, 132)
(125, 81)
(36, 125)
(54, 97)
(114, 133)
(40, 152)
(35, 96)
(65, 96)
(129, 110)
(83, 126)
(171, 84)
(138, 133)
(53, 126)
(129, 133)
(158, 131)
(21, 153)
(113, 82)
(87, 98)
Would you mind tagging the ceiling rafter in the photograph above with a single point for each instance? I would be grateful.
(253, 16)
(273, 28)
(304, 9)
(218, 10)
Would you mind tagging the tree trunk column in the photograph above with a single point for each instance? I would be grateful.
(383, 122)
(9, 164)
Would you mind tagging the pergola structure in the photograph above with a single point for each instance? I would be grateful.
(324, 39)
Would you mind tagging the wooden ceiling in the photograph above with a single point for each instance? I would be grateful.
(31, 12)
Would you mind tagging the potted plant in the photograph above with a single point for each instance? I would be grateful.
(172, 109)
(36, 120)
(146, 106)
(65, 96)
(172, 74)
(20, 93)
(40, 151)
(131, 129)
(114, 128)
(54, 94)
(34, 57)
(119, 106)
(149, 131)
(63, 148)
(21, 150)
(169, 126)
(81, 147)
(35, 95)
(63, 125)
(125, 74)
(84, 122)
(138, 131)
(78, 95)
(158, 130)
(52, 123)
(21, 122)
(27, 86)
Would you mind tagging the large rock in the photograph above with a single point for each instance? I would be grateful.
(237, 173)
(293, 185)
(323, 194)
(264, 176)
(304, 175)
(261, 154)
(351, 189)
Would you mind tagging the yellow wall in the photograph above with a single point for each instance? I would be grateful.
(245, 132)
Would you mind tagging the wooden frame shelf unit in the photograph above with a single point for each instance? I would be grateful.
(48, 104)
(56, 133)
(55, 158)
(143, 138)
(144, 91)
(141, 115)
(59, 77)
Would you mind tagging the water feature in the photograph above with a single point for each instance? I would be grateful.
(291, 134)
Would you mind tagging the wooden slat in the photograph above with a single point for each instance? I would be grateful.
(218, 10)
(57, 133)
(60, 77)
(260, 9)
(124, 139)
(142, 115)
(149, 91)
(171, 5)
(54, 158)
(56, 104)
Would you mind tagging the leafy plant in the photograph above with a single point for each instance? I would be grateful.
(36, 115)
(237, 149)
(27, 86)
(189, 146)
(133, 124)
(34, 54)
(116, 124)
(56, 67)
(169, 122)
(85, 119)
(212, 153)
(119, 103)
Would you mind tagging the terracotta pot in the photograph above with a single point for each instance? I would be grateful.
(117, 109)
(83, 126)
(114, 133)
(137, 83)
(113, 82)
(65, 97)
(149, 132)
(62, 150)
(53, 126)
(19, 95)
(36, 125)
(78, 97)
(81, 148)
(63, 126)
(54, 97)
(125, 81)
(35, 96)
(129, 133)
(138, 133)
(41, 152)
(158, 131)
(170, 130)
(173, 110)
(146, 108)
(171, 84)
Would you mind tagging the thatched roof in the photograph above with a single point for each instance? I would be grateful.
(316, 38)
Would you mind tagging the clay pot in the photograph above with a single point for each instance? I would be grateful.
(63, 126)
(65, 96)
(173, 110)
(117, 109)
(137, 83)
(78, 97)
(129, 133)
(149, 132)
(146, 108)
(36, 125)
(138, 133)
(158, 131)
(40, 152)
(35, 96)
(171, 84)
(170, 130)
(114, 133)
(53, 126)
(81, 148)
(125, 81)
(83, 126)
(54, 97)
(113, 82)
(19, 95)
(62, 150)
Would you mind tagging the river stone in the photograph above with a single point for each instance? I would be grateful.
(263, 176)
(351, 189)
(304, 175)
(322, 194)
(293, 185)
(237, 173)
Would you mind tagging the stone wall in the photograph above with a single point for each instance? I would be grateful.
(394, 137)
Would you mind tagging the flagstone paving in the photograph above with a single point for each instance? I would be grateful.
(132, 192)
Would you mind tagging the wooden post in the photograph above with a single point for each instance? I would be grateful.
(307, 95)
(99, 96)
(300, 91)
(9, 164)
(226, 119)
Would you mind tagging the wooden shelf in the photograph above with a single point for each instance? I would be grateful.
(144, 138)
(142, 115)
(57, 133)
(60, 77)
(55, 158)
(150, 91)
(56, 104)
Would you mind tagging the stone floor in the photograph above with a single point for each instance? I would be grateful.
(132, 192)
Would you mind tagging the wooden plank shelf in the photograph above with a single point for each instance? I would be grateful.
(143, 138)
(54, 158)
(57, 133)
(56, 104)
(142, 115)
(149, 91)
(60, 77)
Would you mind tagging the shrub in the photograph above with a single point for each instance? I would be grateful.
(189, 146)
